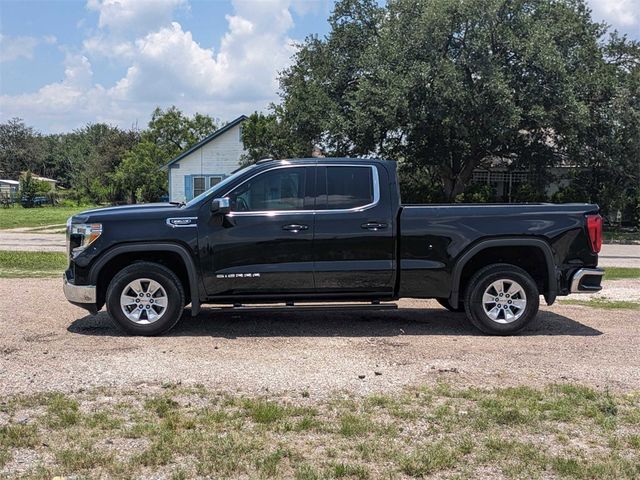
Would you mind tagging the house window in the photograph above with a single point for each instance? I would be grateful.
(240, 133)
(214, 181)
(198, 186)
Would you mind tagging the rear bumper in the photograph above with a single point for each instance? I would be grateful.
(587, 280)
(81, 295)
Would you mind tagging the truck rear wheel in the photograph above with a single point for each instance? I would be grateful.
(145, 298)
(501, 299)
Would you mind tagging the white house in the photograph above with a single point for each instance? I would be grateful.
(50, 181)
(9, 187)
(206, 163)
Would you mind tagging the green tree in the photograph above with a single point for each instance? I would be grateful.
(28, 189)
(607, 147)
(173, 132)
(93, 154)
(271, 136)
(446, 86)
(19, 148)
(139, 174)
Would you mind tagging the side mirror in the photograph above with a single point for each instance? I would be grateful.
(221, 205)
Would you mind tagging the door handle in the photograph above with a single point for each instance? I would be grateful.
(294, 227)
(373, 226)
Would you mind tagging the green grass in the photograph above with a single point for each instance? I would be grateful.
(621, 237)
(31, 264)
(183, 432)
(604, 303)
(617, 273)
(17, 216)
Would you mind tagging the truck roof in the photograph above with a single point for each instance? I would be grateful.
(323, 160)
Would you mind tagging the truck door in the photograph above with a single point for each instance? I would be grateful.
(354, 231)
(263, 246)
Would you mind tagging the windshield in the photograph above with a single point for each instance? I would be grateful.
(218, 187)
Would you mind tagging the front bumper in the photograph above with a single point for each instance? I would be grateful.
(587, 280)
(79, 294)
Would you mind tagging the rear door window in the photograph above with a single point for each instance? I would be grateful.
(344, 187)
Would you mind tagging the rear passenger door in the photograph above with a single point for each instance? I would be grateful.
(353, 241)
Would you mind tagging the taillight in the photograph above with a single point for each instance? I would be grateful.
(594, 227)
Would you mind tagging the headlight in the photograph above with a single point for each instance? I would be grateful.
(81, 235)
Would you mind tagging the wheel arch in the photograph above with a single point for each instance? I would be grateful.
(551, 284)
(145, 251)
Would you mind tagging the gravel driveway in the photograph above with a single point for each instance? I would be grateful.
(48, 344)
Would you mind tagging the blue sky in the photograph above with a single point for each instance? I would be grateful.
(66, 63)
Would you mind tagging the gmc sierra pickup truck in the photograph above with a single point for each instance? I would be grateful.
(327, 230)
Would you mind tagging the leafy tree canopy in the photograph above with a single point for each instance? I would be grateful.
(446, 86)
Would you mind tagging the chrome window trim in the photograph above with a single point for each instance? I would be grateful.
(271, 213)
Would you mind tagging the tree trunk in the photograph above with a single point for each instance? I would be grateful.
(455, 182)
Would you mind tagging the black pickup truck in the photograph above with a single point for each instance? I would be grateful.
(327, 230)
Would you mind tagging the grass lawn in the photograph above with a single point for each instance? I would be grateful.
(621, 237)
(567, 431)
(617, 273)
(17, 216)
(31, 264)
(603, 303)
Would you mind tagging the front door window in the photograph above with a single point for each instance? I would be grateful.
(281, 189)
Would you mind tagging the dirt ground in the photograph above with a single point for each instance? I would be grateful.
(48, 344)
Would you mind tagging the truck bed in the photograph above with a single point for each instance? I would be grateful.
(435, 236)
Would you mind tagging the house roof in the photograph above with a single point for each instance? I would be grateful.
(10, 182)
(43, 179)
(206, 140)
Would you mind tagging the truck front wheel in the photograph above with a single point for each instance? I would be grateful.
(501, 299)
(145, 298)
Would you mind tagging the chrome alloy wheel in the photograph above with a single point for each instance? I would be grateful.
(143, 301)
(504, 301)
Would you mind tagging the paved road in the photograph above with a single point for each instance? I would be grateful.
(620, 256)
(32, 242)
(610, 256)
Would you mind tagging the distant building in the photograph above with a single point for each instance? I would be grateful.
(50, 181)
(206, 163)
(9, 187)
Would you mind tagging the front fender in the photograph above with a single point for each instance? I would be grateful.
(184, 254)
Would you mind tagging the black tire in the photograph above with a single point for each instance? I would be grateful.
(445, 303)
(473, 300)
(172, 286)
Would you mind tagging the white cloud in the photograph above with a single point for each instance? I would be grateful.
(12, 48)
(621, 14)
(72, 98)
(134, 16)
(170, 66)
(108, 46)
(120, 22)
(165, 66)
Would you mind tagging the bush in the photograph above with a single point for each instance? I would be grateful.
(525, 192)
(477, 193)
